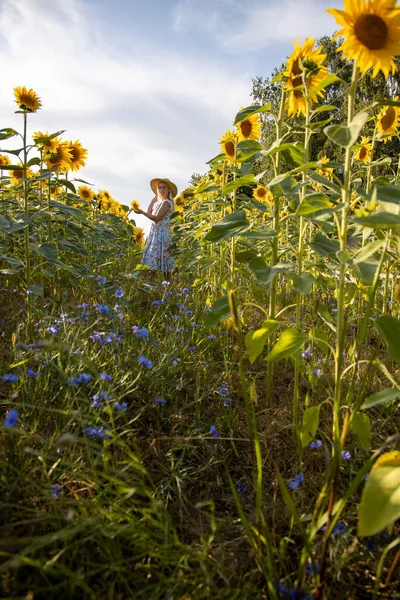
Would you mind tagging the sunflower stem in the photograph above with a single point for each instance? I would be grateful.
(26, 236)
(274, 254)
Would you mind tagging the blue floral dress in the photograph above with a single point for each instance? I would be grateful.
(156, 254)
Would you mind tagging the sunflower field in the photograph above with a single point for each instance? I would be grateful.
(233, 432)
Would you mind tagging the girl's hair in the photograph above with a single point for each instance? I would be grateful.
(170, 196)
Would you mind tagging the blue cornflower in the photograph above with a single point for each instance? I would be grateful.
(211, 336)
(156, 302)
(295, 483)
(188, 313)
(84, 305)
(315, 444)
(185, 290)
(310, 569)
(222, 332)
(121, 407)
(228, 402)
(192, 348)
(339, 529)
(10, 377)
(105, 377)
(52, 329)
(316, 372)
(100, 433)
(169, 293)
(214, 431)
(240, 488)
(175, 361)
(101, 280)
(160, 400)
(181, 329)
(146, 362)
(346, 455)
(104, 309)
(56, 490)
(207, 310)
(195, 325)
(306, 353)
(140, 332)
(11, 419)
(223, 390)
(31, 373)
(180, 306)
(119, 293)
(166, 283)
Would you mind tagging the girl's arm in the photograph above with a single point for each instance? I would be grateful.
(160, 215)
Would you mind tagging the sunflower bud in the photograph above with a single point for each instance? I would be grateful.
(396, 293)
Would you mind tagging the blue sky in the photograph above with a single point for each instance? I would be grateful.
(148, 86)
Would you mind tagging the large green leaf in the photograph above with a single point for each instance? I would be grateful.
(7, 132)
(310, 425)
(347, 136)
(383, 397)
(255, 340)
(263, 234)
(368, 250)
(361, 426)
(294, 151)
(313, 204)
(72, 247)
(379, 220)
(303, 283)
(323, 245)
(64, 208)
(264, 272)
(231, 225)
(380, 500)
(289, 342)
(241, 181)
(389, 329)
(388, 193)
(218, 312)
(247, 112)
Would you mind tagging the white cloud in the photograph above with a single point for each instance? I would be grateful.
(241, 27)
(142, 113)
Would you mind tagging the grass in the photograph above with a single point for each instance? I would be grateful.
(149, 511)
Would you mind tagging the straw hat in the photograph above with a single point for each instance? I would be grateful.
(171, 186)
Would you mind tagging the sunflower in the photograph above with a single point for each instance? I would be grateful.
(27, 100)
(326, 172)
(79, 155)
(250, 128)
(4, 161)
(228, 145)
(309, 59)
(139, 235)
(364, 152)
(135, 206)
(59, 158)
(18, 174)
(372, 32)
(85, 193)
(263, 194)
(387, 121)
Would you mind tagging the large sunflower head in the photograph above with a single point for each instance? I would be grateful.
(4, 161)
(58, 158)
(263, 194)
(371, 29)
(27, 100)
(228, 145)
(85, 193)
(308, 60)
(139, 235)
(78, 154)
(364, 151)
(250, 128)
(387, 122)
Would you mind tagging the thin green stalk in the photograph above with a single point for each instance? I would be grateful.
(274, 255)
(26, 236)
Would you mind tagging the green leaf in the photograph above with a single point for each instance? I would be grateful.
(314, 204)
(389, 329)
(71, 247)
(64, 208)
(383, 397)
(231, 225)
(247, 112)
(323, 108)
(295, 151)
(219, 312)
(49, 251)
(46, 138)
(310, 425)
(303, 283)
(347, 136)
(207, 187)
(265, 234)
(388, 193)
(380, 500)
(320, 337)
(36, 289)
(245, 255)
(7, 132)
(11, 260)
(328, 80)
(361, 426)
(255, 340)
(233, 185)
(324, 246)
(365, 271)
(379, 220)
(289, 342)
(368, 250)
(265, 273)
